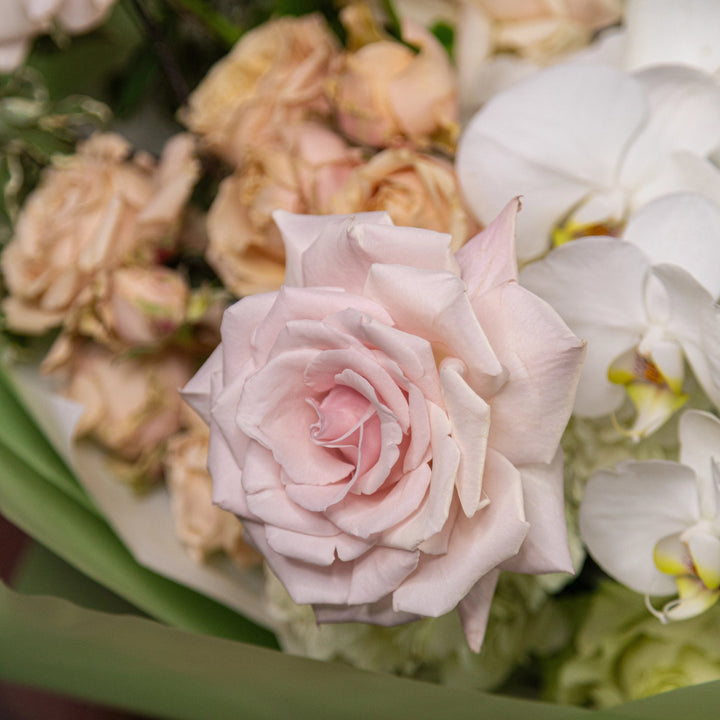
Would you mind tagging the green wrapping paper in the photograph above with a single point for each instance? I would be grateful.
(201, 659)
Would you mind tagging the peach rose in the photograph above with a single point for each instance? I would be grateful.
(384, 94)
(387, 424)
(540, 28)
(22, 20)
(132, 307)
(297, 173)
(92, 212)
(415, 189)
(274, 77)
(131, 402)
(201, 526)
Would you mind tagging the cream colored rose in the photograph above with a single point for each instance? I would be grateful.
(416, 190)
(131, 401)
(538, 29)
(274, 77)
(22, 20)
(385, 94)
(201, 526)
(298, 173)
(91, 213)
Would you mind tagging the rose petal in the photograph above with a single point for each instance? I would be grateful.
(197, 391)
(545, 548)
(474, 609)
(364, 516)
(435, 306)
(469, 417)
(344, 259)
(488, 259)
(273, 410)
(477, 546)
(314, 549)
(377, 613)
(430, 518)
(543, 360)
(299, 232)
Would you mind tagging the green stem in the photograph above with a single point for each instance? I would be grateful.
(220, 25)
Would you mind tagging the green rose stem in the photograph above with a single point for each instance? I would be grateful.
(220, 25)
(167, 61)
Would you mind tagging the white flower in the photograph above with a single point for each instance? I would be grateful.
(23, 19)
(588, 144)
(655, 525)
(644, 304)
(661, 32)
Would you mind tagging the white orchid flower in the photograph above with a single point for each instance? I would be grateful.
(586, 145)
(655, 525)
(661, 32)
(645, 304)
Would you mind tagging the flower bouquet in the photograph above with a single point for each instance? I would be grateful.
(364, 336)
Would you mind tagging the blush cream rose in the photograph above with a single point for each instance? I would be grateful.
(387, 423)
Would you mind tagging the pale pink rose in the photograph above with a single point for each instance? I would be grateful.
(202, 527)
(539, 29)
(91, 213)
(274, 77)
(22, 20)
(298, 172)
(415, 189)
(385, 94)
(387, 424)
(131, 402)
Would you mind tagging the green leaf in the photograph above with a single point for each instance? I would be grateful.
(40, 572)
(20, 436)
(149, 668)
(86, 62)
(87, 542)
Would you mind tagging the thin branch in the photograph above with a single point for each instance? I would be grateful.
(228, 32)
(170, 67)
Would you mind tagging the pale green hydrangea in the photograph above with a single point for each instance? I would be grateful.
(623, 653)
(523, 621)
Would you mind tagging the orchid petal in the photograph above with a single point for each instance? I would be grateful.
(682, 229)
(694, 599)
(699, 434)
(684, 115)
(666, 32)
(705, 551)
(596, 282)
(490, 173)
(695, 323)
(625, 513)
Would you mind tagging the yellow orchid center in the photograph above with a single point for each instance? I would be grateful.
(570, 230)
(696, 573)
(654, 396)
